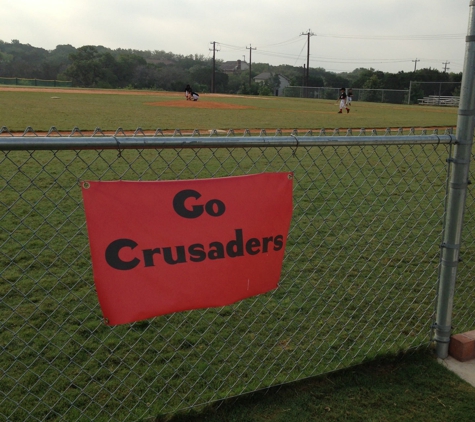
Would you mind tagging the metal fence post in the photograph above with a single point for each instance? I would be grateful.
(457, 192)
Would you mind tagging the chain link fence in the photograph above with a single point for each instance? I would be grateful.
(359, 277)
(34, 82)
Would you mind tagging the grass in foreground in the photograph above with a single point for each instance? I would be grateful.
(410, 387)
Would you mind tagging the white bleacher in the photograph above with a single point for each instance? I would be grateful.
(442, 100)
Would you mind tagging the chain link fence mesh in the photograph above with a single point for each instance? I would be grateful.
(359, 278)
(34, 82)
(395, 96)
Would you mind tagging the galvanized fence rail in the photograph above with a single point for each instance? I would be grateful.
(359, 277)
(463, 315)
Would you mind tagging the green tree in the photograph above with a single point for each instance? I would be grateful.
(315, 77)
(264, 89)
(221, 81)
(416, 93)
(238, 83)
(56, 62)
(147, 77)
(127, 65)
(24, 61)
(171, 78)
(86, 66)
(334, 80)
(372, 87)
(200, 75)
(360, 76)
(109, 77)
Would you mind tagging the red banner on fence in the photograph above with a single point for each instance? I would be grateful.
(170, 246)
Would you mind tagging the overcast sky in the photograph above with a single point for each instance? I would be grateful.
(387, 35)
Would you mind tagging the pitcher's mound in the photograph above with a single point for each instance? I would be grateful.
(198, 104)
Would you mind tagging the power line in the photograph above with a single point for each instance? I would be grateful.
(283, 43)
(332, 59)
(232, 47)
(298, 57)
(337, 60)
(291, 41)
(435, 37)
(272, 50)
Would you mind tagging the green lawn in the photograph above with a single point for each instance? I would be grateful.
(412, 387)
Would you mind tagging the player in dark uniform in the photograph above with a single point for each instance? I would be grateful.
(343, 100)
(188, 92)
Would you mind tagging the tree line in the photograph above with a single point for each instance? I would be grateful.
(101, 67)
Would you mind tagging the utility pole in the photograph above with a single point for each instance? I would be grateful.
(213, 90)
(308, 34)
(445, 66)
(250, 61)
(415, 63)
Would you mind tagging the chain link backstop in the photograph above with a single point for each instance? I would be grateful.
(359, 277)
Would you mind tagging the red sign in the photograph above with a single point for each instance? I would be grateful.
(170, 246)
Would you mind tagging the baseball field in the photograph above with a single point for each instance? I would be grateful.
(64, 109)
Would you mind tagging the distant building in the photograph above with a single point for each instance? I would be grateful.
(236, 66)
(264, 76)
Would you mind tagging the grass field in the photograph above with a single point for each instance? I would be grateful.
(359, 278)
(412, 387)
(109, 110)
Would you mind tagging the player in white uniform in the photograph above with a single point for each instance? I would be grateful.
(349, 97)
